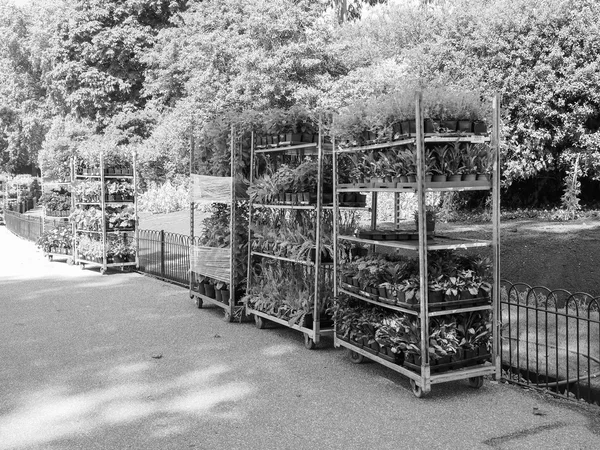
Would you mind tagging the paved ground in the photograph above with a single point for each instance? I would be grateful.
(123, 361)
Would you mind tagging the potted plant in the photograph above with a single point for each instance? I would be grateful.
(435, 284)
(486, 162)
(430, 218)
(409, 287)
(438, 168)
(409, 158)
(454, 167)
(453, 286)
(470, 159)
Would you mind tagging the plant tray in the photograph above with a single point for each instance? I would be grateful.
(384, 185)
(353, 204)
(387, 301)
(443, 306)
(350, 287)
(366, 348)
(454, 365)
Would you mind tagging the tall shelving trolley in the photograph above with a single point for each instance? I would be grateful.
(104, 217)
(218, 249)
(56, 207)
(433, 322)
(290, 256)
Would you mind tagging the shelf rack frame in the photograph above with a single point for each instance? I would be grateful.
(312, 336)
(104, 265)
(422, 381)
(231, 310)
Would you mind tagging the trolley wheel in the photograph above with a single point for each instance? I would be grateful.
(70, 261)
(102, 270)
(476, 382)
(227, 317)
(49, 257)
(81, 266)
(260, 323)
(356, 357)
(198, 301)
(308, 342)
(416, 389)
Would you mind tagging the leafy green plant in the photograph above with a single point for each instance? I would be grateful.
(453, 157)
(58, 238)
(160, 198)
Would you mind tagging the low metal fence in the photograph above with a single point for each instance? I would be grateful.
(551, 340)
(165, 255)
(25, 226)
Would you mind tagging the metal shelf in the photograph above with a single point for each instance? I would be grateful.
(423, 378)
(317, 152)
(430, 138)
(102, 204)
(311, 145)
(309, 331)
(430, 186)
(450, 375)
(279, 206)
(382, 304)
(435, 243)
(282, 258)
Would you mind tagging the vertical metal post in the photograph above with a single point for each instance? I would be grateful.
(251, 179)
(373, 217)
(103, 207)
(136, 232)
(73, 202)
(318, 235)
(422, 229)
(191, 243)
(232, 241)
(162, 253)
(496, 350)
(396, 210)
(336, 218)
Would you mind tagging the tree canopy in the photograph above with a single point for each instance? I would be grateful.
(147, 73)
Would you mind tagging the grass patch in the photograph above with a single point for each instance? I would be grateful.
(554, 336)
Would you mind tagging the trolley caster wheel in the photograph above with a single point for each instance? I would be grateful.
(70, 261)
(82, 266)
(476, 382)
(49, 258)
(355, 357)
(416, 389)
(227, 317)
(198, 301)
(309, 343)
(260, 323)
(102, 271)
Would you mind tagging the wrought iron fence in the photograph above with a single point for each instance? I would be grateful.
(27, 227)
(551, 340)
(165, 255)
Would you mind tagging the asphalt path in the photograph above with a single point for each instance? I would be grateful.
(124, 361)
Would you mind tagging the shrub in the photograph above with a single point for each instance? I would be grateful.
(167, 197)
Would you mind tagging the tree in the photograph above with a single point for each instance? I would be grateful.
(232, 55)
(96, 53)
(540, 55)
(23, 119)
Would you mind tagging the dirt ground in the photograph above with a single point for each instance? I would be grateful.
(557, 255)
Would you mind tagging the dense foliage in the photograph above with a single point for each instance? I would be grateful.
(143, 75)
